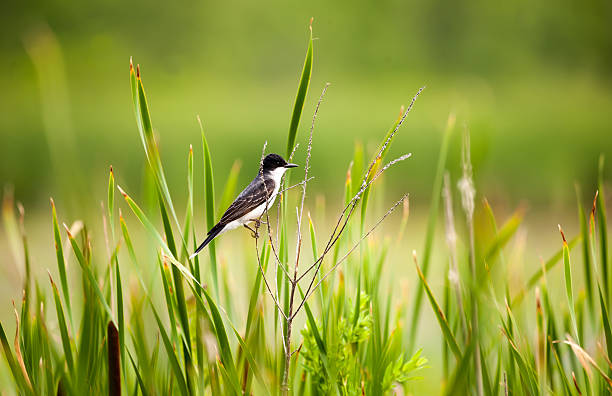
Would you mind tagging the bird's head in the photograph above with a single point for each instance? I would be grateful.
(273, 162)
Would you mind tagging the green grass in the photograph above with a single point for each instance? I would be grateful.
(145, 319)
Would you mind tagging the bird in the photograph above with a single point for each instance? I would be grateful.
(252, 201)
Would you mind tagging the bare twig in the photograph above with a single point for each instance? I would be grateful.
(399, 124)
(366, 182)
(295, 185)
(298, 248)
(370, 176)
(263, 275)
(343, 220)
(355, 246)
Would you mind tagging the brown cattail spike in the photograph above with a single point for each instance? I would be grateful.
(114, 363)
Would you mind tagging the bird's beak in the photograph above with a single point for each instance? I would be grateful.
(291, 166)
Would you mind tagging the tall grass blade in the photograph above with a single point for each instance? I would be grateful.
(209, 196)
(253, 366)
(561, 371)
(568, 285)
(172, 357)
(300, 96)
(606, 323)
(431, 226)
(503, 236)
(586, 255)
(153, 232)
(12, 362)
(176, 275)
(460, 376)
(139, 380)
(446, 330)
(88, 273)
(66, 342)
(61, 264)
(111, 203)
(603, 232)
(548, 265)
(264, 258)
(226, 352)
(145, 128)
(526, 371)
(119, 287)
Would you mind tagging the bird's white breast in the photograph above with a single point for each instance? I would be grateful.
(256, 213)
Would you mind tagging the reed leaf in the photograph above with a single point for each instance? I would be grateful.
(61, 264)
(209, 196)
(66, 341)
(446, 330)
(431, 226)
(300, 96)
(172, 357)
(568, 285)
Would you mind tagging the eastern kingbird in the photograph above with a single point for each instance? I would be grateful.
(251, 203)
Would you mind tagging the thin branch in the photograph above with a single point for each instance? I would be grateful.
(391, 209)
(399, 124)
(306, 169)
(335, 237)
(263, 275)
(351, 205)
(364, 185)
(296, 185)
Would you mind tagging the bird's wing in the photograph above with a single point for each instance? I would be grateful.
(250, 198)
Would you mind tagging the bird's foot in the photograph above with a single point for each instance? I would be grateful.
(254, 232)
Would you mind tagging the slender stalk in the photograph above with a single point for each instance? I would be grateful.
(451, 241)
(466, 186)
(294, 282)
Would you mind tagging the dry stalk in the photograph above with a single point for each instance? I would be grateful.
(466, 187)
(451, 241)
(340, 226)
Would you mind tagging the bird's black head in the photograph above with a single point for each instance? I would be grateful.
(274, 161)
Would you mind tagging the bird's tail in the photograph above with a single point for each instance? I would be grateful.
(210, 236)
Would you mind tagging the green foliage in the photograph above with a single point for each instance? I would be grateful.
(341, 364)
(181, 337)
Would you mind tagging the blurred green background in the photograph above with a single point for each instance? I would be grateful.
(531, 80)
